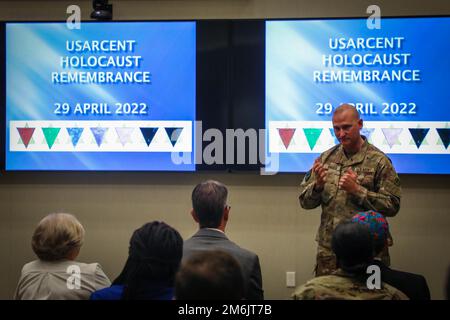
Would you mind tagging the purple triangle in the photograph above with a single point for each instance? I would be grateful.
(124, 134)
(391, 135)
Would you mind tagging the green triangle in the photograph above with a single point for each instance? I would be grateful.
(312, 135)
(50, 135)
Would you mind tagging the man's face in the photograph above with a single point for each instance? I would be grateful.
(346, 128)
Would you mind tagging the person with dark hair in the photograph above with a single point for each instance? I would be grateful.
(210, 275)
(56, 275)
(413, 285)
(211, 212)
(350, 177)
(154, 257)
(352, 244)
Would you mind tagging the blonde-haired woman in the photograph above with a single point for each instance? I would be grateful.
(56, 275)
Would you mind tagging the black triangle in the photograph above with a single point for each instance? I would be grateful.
(418, 135)
(149, 134)
(444, 133)
(174, 134)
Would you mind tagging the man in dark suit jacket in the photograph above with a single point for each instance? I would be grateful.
(211, 212)
(413, 285)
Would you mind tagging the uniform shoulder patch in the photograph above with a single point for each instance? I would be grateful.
(307, 175)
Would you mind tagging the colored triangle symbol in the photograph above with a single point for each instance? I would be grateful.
(444, 134)
(99, 134)
(173, 134)
(312, 135)
(149, 134)
(50, 135)
(367, 132)
(25, 135)
(418, 135)
(391, 135)
(75, 134)
(336, 141)
(124, 134)
(286, 135)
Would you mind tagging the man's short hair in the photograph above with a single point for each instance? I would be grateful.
(347, 107)
(56, 236)
(209, 199)
(210, 275)
(353, 246)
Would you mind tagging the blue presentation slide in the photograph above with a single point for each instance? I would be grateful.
(108, 96)
(396, 76)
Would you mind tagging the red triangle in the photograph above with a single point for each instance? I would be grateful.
(286, 135)
(25, 135)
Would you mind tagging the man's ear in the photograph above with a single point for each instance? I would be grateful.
(360, 123)
(194, 215)
(226, 212)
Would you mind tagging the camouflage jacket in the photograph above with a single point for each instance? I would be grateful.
(343, 286)
(379, 188)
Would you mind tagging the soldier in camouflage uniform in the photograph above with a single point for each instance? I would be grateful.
(341, 286)
(353, 245)
(350, 177)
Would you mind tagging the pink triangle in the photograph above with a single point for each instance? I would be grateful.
(25, 135)
(286, 135)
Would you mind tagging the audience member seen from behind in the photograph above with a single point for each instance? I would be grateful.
(210, 275)
(154, 258)
(413, 285)
(211, 212)
(56, 275)
(352, 244)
